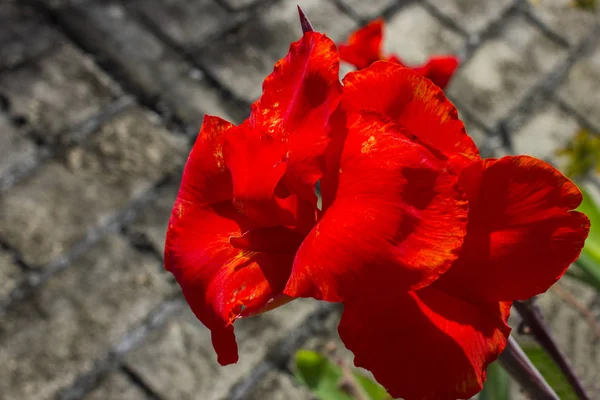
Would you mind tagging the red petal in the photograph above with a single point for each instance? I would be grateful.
(439, 69)
(397, 215)
(220, 281)
(293, 112)
(205, 179)
(364, 45)
(257, 165)
(425, 344)
(404, 96)
(521, 235)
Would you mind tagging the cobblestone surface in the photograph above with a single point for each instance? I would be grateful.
(100, 101)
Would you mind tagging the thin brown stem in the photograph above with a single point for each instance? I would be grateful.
(533, 318)
(520, 368)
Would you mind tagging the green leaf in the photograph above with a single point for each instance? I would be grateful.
(373, 389)
(550, 371)
(497, 385)
(322, 378)
(589, 260)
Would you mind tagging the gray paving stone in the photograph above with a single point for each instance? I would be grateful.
(241, 60)
(278, 386)
(48, 212)
(74, 320)
(193, 97)
(23, 35)
(240, 4)
(15, 149)
(145, 62)
(368, 10)
(415, 35)
(546, 130)
(504, 69)
(179, 361)
(116, 387)
(150, 223)
(129, 154)
(473, 130)
(472, 15)
(581, 89)
(10, 274)
(189, 23)
(571, 23)
(58, 91)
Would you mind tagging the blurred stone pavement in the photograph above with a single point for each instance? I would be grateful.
(100, 101)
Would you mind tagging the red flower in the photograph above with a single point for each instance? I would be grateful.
(424, 243)
(364, 48)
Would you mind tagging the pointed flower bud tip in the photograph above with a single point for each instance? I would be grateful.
(304, 22)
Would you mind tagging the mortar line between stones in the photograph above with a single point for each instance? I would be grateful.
(113, 224)
(89, 380)
(54, 18)
(443, 18)
(541, 25)
(29, 60)
(136, 380)
(568, 109)
(241, 389)
(190, 58)
(74, 136)
(550, 81)
(475, 40)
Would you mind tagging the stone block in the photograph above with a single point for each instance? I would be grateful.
(472, 15)
(57, 92)
(581, 89)
(10, 274)
(415, 35)
(129, 154)
(48, 212)
(504, 69)
(180, 363)
(15, 149)
(368, 10)
(76, 318)
(241, 60)
(24, 34)
(278, 386)
(241, 4)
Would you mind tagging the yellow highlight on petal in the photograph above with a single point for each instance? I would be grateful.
(368, 145)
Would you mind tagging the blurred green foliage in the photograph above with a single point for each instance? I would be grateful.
(497, 384)
(587, 267)
(582, 153)
(586, 4)
(324, 378)
(550, 371)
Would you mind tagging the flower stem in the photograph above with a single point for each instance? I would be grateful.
(516, 363)
(532, 317)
